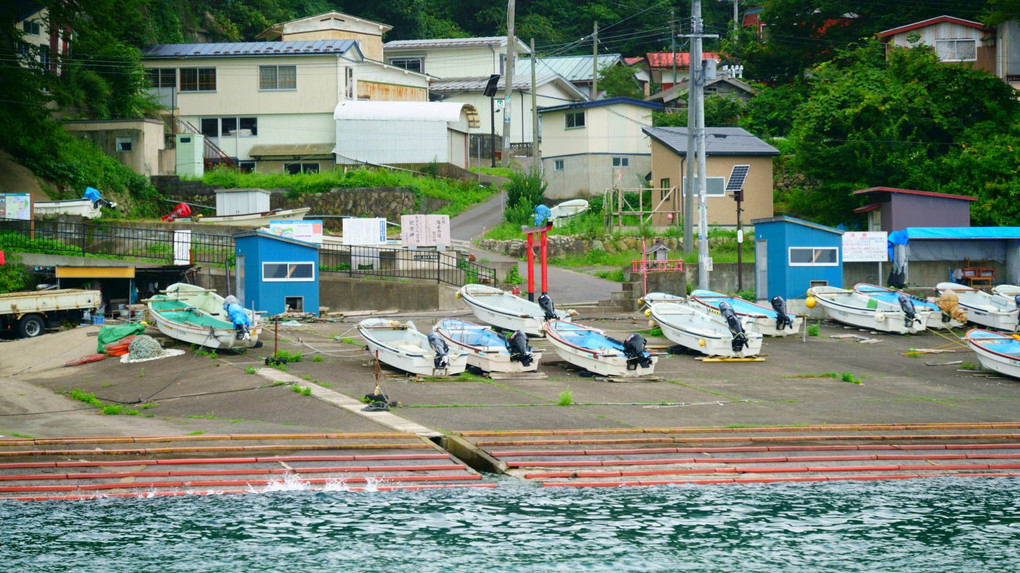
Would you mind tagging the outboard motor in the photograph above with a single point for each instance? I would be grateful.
(782, 319)
(237, 315)
(909, 313)
(634, 350)
(547, 305)
(736, 329)
(1016, 299)
(517, 344)
(439, 345)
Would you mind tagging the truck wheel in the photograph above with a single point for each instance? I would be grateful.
(31, 325)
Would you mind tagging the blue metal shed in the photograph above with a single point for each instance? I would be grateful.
(274, 273)
(792, 255)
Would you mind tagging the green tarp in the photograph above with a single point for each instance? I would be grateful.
(113, 333)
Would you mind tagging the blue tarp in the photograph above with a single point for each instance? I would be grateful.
(901, 237)
(965, 247)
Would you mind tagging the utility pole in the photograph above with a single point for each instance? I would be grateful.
(534, 111)
(672, 37)
(510, 45)
(595, 62)
(736, 24)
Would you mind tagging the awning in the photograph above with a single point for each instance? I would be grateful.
(867, 208)
(95, 272)
(292, 151)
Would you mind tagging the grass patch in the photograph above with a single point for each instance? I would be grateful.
(349, 340)
(813, 329)
(303, 390)
(104, 408)
(251, 370)
(566, 397)
(288, 356)
(849, 377)
(318, 359)
(969, 366)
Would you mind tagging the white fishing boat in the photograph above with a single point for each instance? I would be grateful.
(561, 213)
(996, 351)
(195, 315)
(656, 297)
(486, 349)
(989, 310)
(1008, 291)
(403, 347)
(508, 311)
(82, 207)
(936, 319)
(690, 326)
(856, 309)
(775, 321)
(255, 219)
(590, 349)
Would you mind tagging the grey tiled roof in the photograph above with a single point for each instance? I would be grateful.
(718, 141)
(241, 49)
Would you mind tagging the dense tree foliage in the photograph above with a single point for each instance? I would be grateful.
(618, 81)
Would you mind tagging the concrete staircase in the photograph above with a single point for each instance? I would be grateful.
(624, 300)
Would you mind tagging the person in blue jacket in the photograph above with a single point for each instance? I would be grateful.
(237, 316)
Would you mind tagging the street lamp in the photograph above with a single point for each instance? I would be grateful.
(490, 92)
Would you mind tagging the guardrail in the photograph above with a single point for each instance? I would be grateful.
(379, 262)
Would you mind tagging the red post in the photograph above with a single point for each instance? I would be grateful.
(531, 268)
(545, 261)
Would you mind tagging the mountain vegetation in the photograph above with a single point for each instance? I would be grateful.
(844, 115)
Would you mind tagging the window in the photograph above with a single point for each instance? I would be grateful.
(664, 183)
(210, 127)
(30, 27)
(410, 63)
(295, 168)
(714, 186)
(246, 166)
(230, 126)
(277, 77)
(198, 79)
(814, 256)
(956, 50)
(283, 272)
(621, 162)
(162, 77)
(502, 64)
(123, 144)
(557, 165)
(575, 119)
(44, 58)
(349, 82)
(294, 303)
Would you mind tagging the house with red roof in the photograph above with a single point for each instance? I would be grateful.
(955, 40)
(661, 66)
(890, 209)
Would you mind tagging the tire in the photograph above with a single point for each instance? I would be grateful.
(31, 325)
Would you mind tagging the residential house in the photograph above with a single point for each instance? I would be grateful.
(641, 74)
(891, 209)
(578, 70)
(259, 102)
(550, 90)
(726, 147)
(721, 86)
(39, 45)
(377, 81)
(137, 143)
(663, 65)
(591, 146)
(955, 40)
(453, 57)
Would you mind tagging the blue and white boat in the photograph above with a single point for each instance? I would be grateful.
(856, 309)
(590, 349)
(400, 345)
(693, 326)
(775, 321)
(937, 318)
(488, 350)
(996, 351)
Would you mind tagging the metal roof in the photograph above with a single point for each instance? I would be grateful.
(521, 47)
(683, 59)
(718, 141)
(406, 111)
(291, 150)
(795, 221)
(601, 103)
(521, 83)
(930, 22)
(870, 190)
(248, 49)
(573, 68)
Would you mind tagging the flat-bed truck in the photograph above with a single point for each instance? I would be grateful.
(31, 313)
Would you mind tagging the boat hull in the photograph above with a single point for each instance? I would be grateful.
(855, 309)
(936, 320)
(607, 361)
(505, 310)
(256, 219)
(990, 311)
(698, 331)
(762, 320)
(81, 207)
(995, 351)
(195, 315)
(487, 353)
(407, 351)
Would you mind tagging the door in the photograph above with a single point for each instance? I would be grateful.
(239, 280)
(761, 270)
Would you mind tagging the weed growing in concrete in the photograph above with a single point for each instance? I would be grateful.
(250, 370)
(318, 359)
(813, 329)
(287, 356)
(849, 377)
(566, 397)
(303, 390)
(970, 366)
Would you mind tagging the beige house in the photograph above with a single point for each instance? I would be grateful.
(591, 146)
(39, 46)
(453, 57)
(137, 143)
(725, 148)
(331, 26)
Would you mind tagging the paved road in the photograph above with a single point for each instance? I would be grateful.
(565, 287)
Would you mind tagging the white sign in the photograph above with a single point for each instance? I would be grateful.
(365, 231)
(860, 247)
(182, 247)
(307, 230)
(15, 206)
(425, 230)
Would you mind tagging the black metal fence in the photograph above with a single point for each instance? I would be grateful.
(104, 240)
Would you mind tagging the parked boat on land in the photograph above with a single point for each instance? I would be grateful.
(488, 350)
(402, 346)
(590, 349)
(1008, 291)
(508, 311)
(560, 214)
(656, 297)
(82, 207)
(856, 309)
(775, 321)
(996, 350)
(196, 315)
(989, 310)
(255, 219)
(692, 326)
(937, 319)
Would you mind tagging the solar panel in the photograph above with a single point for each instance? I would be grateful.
(737, 177)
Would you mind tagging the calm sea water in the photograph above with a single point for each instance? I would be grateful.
(942, 524)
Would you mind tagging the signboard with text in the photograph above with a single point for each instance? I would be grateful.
(425, 230)
(368, 231)
(307, 230)
(15, 206)
(860, 247)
